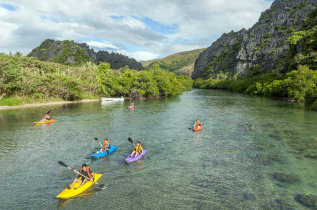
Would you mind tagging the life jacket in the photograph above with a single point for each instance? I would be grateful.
(105, 144)
(140, 147)
(88, 171)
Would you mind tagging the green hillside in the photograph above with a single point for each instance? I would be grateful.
(28, 80)
(181, 63)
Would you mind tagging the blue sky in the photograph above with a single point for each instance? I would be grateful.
(140, 29)
(9, 7)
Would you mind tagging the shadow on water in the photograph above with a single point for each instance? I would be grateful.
(83, 196)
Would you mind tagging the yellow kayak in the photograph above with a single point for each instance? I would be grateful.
(68, 193)
(50, 121)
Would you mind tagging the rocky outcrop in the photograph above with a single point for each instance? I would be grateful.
(72, 53)
(307, 200)
(260, 48)
(286, 178)
(117, 60)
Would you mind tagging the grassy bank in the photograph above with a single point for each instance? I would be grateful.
(25, 80)
(298, 85)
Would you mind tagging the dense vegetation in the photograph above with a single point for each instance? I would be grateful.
(28, 80)
(298, 85)
(180, 63)
(303, 43)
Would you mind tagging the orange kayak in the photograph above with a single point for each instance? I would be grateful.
(49, 121)
(197, 128)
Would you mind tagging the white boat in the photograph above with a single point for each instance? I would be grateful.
(104, 99)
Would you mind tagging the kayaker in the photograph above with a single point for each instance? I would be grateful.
(137, 149)
(197, 123)
(86, 171)
(106, 145)
(46, 118)
(131, 106)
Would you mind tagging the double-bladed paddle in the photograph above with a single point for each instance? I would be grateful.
(63, 164)
(130, 140)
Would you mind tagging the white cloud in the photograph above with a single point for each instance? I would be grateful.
(196, 21)
(102, 45)
(141, 55)
(132, 23)
(137, 55)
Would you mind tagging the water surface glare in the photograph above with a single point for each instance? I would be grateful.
(253, 153)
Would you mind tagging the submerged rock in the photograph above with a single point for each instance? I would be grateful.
(307, 200)
(270, 159)
(249, 196)
(311, 156)
(279, 204)
(286, 178)
(275, 137)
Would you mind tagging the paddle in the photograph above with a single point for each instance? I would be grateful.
(102, 145)
(131, 141)
(63, 164)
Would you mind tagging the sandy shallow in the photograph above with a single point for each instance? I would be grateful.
(47, 104)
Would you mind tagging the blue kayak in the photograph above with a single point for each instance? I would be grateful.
(100, 153)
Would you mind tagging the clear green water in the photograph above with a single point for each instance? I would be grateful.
(228, 165)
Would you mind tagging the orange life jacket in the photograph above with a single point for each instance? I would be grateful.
(88, 172)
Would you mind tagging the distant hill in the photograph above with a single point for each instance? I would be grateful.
(181, 63)
(72, 53)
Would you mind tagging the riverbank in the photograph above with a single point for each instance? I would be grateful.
(297, 85)
(47, 104)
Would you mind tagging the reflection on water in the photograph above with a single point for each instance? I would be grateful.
(253, 153)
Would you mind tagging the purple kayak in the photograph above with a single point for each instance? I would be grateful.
(132, 159)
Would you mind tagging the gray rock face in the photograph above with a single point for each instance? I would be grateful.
(70, 52)
(264, 44)
(117, 60)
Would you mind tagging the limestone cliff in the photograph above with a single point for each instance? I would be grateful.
(263, 47)
(72, 53)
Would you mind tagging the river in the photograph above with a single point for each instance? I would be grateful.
(253, 153)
